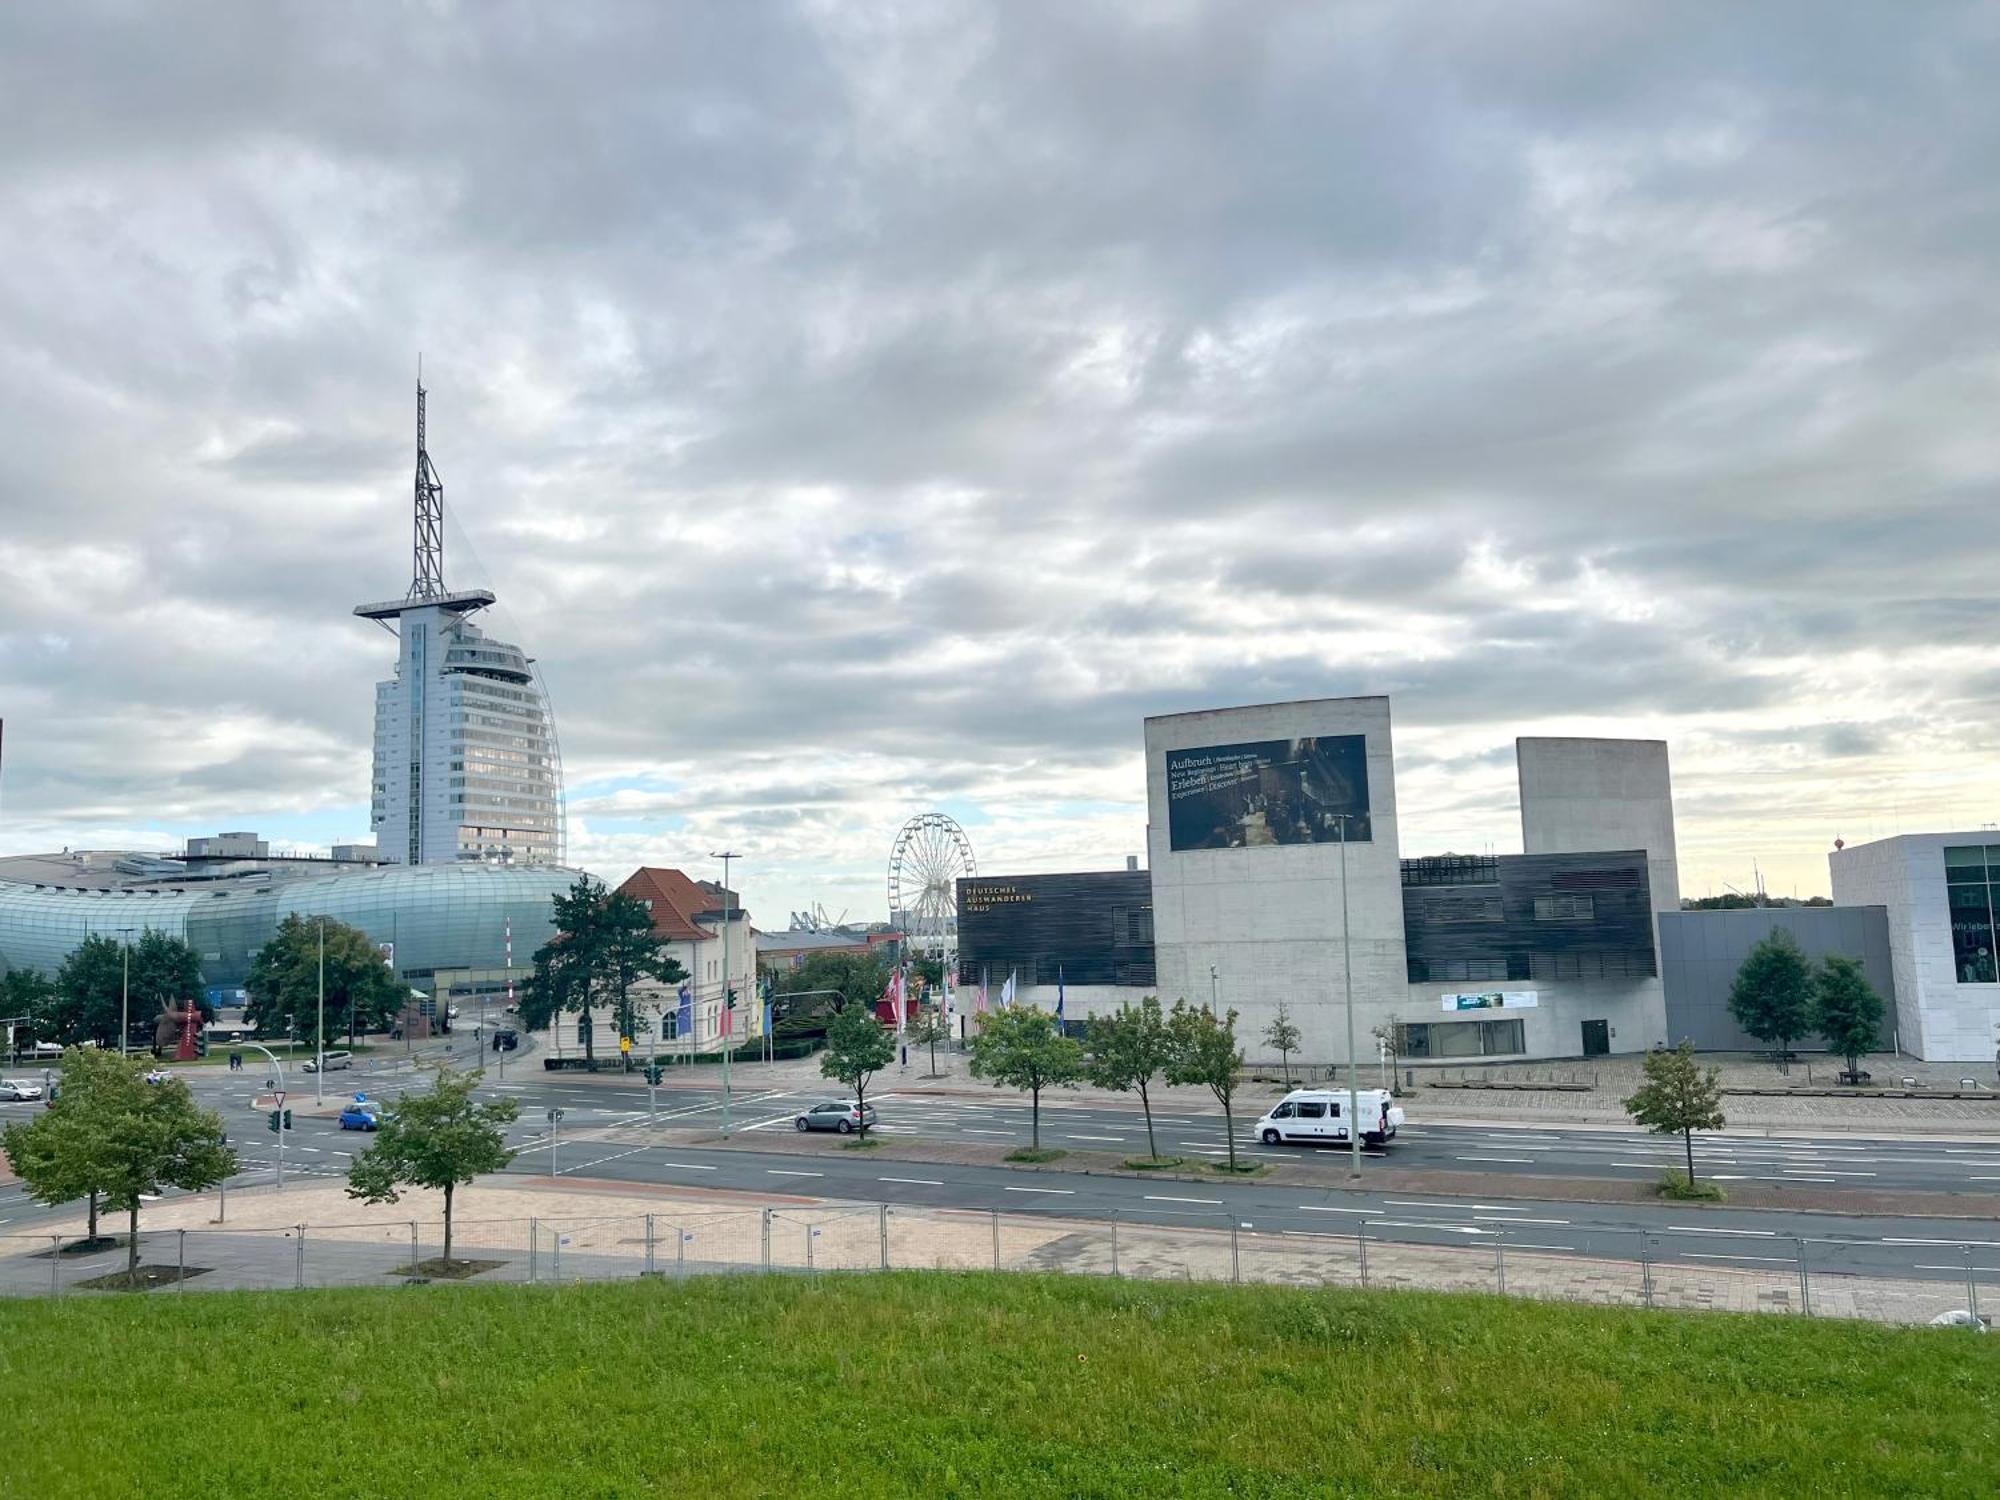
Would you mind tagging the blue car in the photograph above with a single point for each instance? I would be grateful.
(361, 1117)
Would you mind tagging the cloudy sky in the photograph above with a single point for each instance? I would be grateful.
(863, 409)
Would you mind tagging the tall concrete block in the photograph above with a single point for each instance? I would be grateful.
(1580, 795)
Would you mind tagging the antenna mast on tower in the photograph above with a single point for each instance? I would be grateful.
(427, 582)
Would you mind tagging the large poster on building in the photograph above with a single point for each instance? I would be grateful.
(1494, 1000)
(1268, 792)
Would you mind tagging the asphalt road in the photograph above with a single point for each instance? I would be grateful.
(1921, 1247)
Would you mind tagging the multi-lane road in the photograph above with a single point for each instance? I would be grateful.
(604, 1134)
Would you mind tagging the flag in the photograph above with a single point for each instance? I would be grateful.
(1059, 995)
(684, 1017)
(979, 1003)
(1007, 991)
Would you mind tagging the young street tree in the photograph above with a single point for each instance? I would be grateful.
(1129, 1049)
(1204, 1051)
(1772, 996)
(116, 1139)
(930, 1028)
(282, 989)
(1677, 1097)
(857, 1047)
(59, 1152)
(1024, 1048)
(1847, 1011)
(1283, 1038)
(440, 1139)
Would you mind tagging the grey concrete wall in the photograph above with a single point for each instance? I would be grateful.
(1701, 952)
(1579, 795)
(1269, 918)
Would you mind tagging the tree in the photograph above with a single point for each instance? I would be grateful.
(60, 1152)
(1129, 1049)
(281, 992)
(439, 1139)
(1024, 1048)
(1677, 1098)
(855, 977)
(1772, 997)
(115, 1138)
(1283, 1037)
(930, 1028)
(603, 944)
(166, 975)
(27, 998)
(167, 1141)
(1204, 1051)
(857, 1047)
(89, 991)
(1847, 1011)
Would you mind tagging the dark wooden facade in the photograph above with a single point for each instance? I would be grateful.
(1515, 918)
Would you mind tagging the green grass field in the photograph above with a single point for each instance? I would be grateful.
(944, 1385)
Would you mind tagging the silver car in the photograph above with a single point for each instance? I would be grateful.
(839, 1115)
(18, 1090)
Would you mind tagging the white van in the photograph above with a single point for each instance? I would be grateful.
(1319, 1117)
(334, 1060)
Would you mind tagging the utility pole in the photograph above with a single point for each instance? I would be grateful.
(728, 1020)
(1347, 971)
(510, 990)
(1213, 1009)
(319, 1031)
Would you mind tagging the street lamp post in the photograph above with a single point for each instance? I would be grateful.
(1347, 973)
(1213, 1008)
(728, 1019)
(279, 1069)
(319, 1029)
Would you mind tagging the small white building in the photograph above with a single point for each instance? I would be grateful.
(1941, 891)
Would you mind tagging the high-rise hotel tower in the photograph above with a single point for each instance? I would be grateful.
(466, 765)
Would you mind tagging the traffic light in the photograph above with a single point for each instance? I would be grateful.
(732, 998)
(271, 1122)
(288, 1119)
(654, 1073)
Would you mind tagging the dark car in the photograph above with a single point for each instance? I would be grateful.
(839, 1115)
(506, 1039)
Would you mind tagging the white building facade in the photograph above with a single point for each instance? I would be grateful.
(465, 765)
(1941, 891)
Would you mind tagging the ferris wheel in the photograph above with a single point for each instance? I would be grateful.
(931, 855)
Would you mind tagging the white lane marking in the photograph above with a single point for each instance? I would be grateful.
(975, 1130)
(1163, 1198)
(1496, 1219)
(1922, 1267)
(1772, 1260)
(616, 1156)
(1093, 1137)
(1427, 1224)
(1984, 1244)
(915, 1181)
(685, 1166)
(1521, 1159)
(1066, 1192)
(782, 1172)
(1822, 1172)
(1766, 1234)
(1315, 1208)
(1422, 1203)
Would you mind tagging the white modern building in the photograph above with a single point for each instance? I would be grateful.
(1942, 892)
(465, 766)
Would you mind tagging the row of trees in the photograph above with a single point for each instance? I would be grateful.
(1780, 996)
(99, 982)
(1129, 1051)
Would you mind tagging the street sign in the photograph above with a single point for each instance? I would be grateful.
(624, 1044)
(279, 1097)
(555, 1115)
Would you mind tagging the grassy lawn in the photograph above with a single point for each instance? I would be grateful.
(946, 1385)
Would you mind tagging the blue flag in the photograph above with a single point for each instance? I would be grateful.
(684, 1019)
(1059, 994)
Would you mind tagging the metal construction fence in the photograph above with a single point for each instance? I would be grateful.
(1896, 1280)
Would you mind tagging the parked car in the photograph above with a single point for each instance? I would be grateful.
(506, 1039)
(1318, 1117)
(335, 1061)
(839, 1115)
(361, 1115)
(18, 1090)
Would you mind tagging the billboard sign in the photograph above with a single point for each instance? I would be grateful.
(1268, 792)
(1494, 1000)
